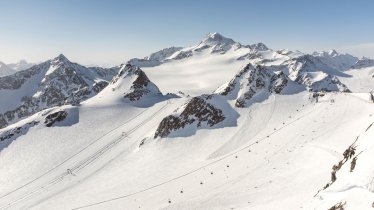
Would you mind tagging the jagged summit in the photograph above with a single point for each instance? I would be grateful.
(215, 38)
(333, 52)
(259, 47)
(60, 58)
(131, 84)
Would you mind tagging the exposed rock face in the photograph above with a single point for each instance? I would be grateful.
(139, 87)
(57, 82)
(182, 55)
(327, 84)
(315, 74)
(55, 117)
(258, 47)
(198, 110)
(140, 83)
(252, 80)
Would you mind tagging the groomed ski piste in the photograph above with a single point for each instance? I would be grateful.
(276, 153)
(273, 161)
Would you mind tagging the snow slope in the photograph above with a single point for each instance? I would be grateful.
(287, 142)
(204, 67)
(262, 129)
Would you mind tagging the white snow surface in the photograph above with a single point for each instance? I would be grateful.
(276, 153)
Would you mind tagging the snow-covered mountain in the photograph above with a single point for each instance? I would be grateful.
(156, 58)
(363, 63)
(218, 125)
(336, 60)
(130, 85)
(5, 70)
(52, 83)
(315, 74)
(20, 65)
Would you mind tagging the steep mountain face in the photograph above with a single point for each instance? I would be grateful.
(315, 74)
(351, 182)
(5, 70)
(130, 85)
(21, 65)
(252, 81)
(336, 60)
(136, 83)
(52, 83)
(206, 111)
(198, 112)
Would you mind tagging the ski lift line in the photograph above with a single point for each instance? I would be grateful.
(113, 143)
(80, 151)
(61, 177)
(193, 171)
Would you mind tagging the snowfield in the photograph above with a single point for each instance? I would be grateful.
(257, 129)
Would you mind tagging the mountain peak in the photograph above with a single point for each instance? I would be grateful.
(216, 38)
(61, 58)
(333, 52)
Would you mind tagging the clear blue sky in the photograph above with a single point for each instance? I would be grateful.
(112, 31)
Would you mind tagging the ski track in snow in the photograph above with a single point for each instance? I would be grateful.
(81, 165)
(198, 169)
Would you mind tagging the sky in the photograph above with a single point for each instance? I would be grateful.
(110, 32)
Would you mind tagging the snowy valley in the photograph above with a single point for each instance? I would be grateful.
(217, 125)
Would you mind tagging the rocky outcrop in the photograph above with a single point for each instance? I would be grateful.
(52, 118)
(252, 80)
(15, 132)
(197, 111)
(327, 84)
(140, 85)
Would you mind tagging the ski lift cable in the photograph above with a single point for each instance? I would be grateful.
(80, 151)
(190, 172)
(95, 156)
